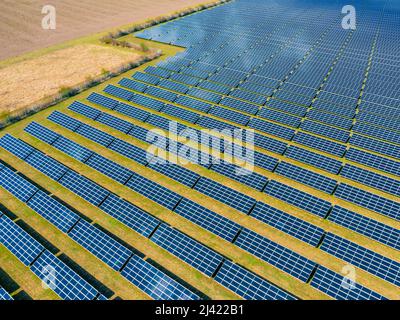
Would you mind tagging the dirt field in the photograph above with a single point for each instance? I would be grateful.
(62, 68)
(20, 21)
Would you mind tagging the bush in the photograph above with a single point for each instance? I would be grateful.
(144, 47)
(67, 92)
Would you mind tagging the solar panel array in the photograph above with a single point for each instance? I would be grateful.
(323, 104)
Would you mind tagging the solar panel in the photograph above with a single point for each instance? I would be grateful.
(72, 149)
(4, 295)
(41, 132)
(64, 120)
(363, 258)
(225, 195)
(95, 135)
(242, 175)
(154, 282)
(114, 122)
(369, 200)
(174, 86)
(15, 146)
(146, 78)
(67, 284)
(132, 111)
(314, 159)
(187, 249)
(371, 179)
(248, 285)
(374, 161)
(102, 100)
(248, 96)
(147, 102)
(207, 219)
(119, 92)
(18, 241)
(109, 168)
(154, 191)
(53, 211)
(366, 226)
(193, 103)
(204, 95)
(85, 110)
(298, 198)
(307, 177)
(239, 105)
(280, 117)
(16, 185)
(130, 215)
(230, 115)
(271, 128)
(84, 187)
(178, 173)
(320, 144)
(326, 131)
(291, 225)
(275, 254)
(384, 148)
(211, 123)
(129, 150)
(47, 165)
(161, 93)
(133, 85)
(338, 287)
(181, 113)
(100, 244)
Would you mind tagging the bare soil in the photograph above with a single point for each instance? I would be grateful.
(21, 21)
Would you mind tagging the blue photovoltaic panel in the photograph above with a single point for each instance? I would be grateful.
(132, 111)
(366, 226)
(165, 123)
(85, 110)
(16, 185)
(155, 283)
(268, 143)
(176, 172)
(291, 225)
(204, 95)
(371, 179)
(118, 92)
(242, 175)
(193, 103)
(4, 295)
(320, 144)
(239, 105)
(146, 78)
(211, 123)
(187, 249)
(41, 132)
(298, 198)
(64, 120)
(248, 285)
(157, 71)
(53, 211)
(109, 168)
(114, 122)
(388, 149)
(130, 215)
(148, 102)
(207, 219)
(224, 194)
(129, 150)
(363, 258)
(50, 167)
(68, 284)
(174, 86)
(338, 287)
(280, 117)
(307, 177)
(314, 159)
(15, 146)
(369, 200)
(154, 191)
(18, 241)
(181, 113)
(84, 187)
(95, 135)
(374, 161)
(271, 128)
(275, 254)
(230, 115)
(102, 100)
(72, 149)
(133, 85)
(161, 93)
(326, 131)
(100, 244)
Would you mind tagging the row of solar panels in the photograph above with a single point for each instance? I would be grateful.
(244, 203)
(170, 241)
(378, 181)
